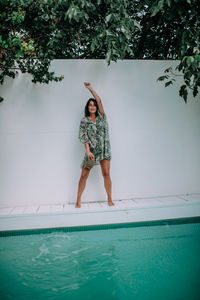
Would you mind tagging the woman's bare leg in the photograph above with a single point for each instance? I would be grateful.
(81, 186)
(105, 168)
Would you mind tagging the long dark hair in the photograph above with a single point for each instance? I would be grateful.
(87, 113)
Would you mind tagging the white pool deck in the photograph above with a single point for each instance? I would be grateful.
(99, 213)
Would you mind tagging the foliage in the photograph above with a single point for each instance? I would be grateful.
(34, 32)
(180, 22)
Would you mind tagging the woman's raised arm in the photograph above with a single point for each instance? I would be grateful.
(96, 96)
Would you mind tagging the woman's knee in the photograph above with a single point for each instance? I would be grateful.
(85, 173)
(105, 173)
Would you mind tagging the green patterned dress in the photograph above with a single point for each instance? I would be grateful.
(97, 136)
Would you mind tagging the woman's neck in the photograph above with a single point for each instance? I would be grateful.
(92, 116)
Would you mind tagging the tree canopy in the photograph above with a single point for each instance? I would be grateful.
(35, 32)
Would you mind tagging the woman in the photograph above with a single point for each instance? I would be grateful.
(93, 133)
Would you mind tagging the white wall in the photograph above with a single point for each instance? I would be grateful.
(154, 135)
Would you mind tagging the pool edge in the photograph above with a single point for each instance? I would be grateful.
(175, 221)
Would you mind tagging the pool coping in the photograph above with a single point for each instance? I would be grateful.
(164, 222)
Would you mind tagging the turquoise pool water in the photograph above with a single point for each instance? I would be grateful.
(140, 263)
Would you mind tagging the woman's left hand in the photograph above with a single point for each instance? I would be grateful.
(87, 85)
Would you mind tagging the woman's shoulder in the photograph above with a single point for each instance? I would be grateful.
(84, 119)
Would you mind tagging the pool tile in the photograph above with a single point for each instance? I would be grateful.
(68, 207)
(31, 209)
(124, 203)
(171, 200)
(192, 198)
(146, 202)
(6, 210)
(44, 209)
(56, 208)
(17, 210)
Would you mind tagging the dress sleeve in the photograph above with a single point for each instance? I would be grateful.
(83, 137)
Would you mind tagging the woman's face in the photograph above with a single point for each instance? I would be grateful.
(92, 108)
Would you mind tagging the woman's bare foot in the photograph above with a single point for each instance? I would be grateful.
(110, 203)
(78, 205)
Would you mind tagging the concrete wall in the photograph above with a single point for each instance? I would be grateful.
(154, 135)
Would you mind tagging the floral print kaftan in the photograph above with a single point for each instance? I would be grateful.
(97, 136)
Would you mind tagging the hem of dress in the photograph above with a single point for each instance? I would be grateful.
(96, 162)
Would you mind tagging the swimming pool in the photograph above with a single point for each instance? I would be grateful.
(143, 262)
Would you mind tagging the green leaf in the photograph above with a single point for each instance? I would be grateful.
(189, 60)
(197, 57)
(108, 55)
(157, 8)
(92, 47)
(169, 3)
(108, 18)
(168, 69)
(137, 25)
(168, 83)
(195, 91)
(183, 92)
(19, 54)
(108, 32)
(161, 78)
